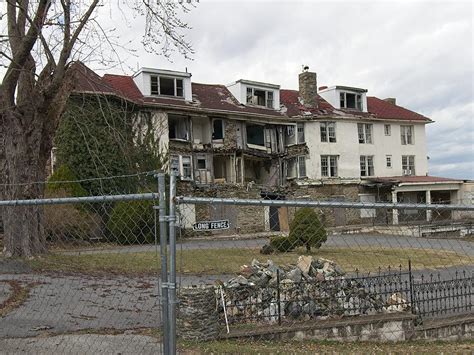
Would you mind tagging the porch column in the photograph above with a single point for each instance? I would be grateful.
(428, 202)
(394, 211)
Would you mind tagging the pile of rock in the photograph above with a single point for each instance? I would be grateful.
(313, 288)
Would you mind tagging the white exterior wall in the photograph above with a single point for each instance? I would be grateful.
(349, 149)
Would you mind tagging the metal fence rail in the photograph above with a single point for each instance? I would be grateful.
(170, 267)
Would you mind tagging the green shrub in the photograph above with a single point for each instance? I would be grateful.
(55, 186)
(282, 244)
(68, 223)
(132, 222)
(306, 229)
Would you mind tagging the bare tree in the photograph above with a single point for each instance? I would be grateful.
(39, 43)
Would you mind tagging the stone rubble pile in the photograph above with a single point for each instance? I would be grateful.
(313, 288)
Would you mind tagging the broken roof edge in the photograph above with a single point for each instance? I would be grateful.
(255, 83)
(161, 71)
(343, 87)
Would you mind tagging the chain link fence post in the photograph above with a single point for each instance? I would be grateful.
(164, 260)
(172, 266)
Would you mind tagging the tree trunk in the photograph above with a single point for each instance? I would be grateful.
(23, 165)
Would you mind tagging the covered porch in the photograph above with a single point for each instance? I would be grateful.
(421, 190)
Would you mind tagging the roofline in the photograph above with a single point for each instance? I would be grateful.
(162, 71)
(256, 83)
(186, 108)
(342, 87)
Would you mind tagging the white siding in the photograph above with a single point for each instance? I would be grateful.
(349, 149)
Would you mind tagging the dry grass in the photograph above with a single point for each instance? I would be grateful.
(324, 347)
(228, 261)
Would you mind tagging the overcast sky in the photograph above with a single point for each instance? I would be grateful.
(420, 52)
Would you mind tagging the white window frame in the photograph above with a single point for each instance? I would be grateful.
(388, 161)
(179, 159)
(387, 128)
(408, 165)
(301, 160)
(367, 166)
(269, 97)
(158, 93)
(365, 133)
(201, 157)
(300, 138)
(330, 135)
(331, 164)
(357, 100)
(407, 134)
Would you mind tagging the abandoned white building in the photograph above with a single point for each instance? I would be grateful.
(327, 142)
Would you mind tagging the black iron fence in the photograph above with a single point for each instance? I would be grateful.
(390, 291)
(434, 296)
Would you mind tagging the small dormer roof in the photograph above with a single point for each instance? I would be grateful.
(166, 72)
(344, 88)
(257, 83)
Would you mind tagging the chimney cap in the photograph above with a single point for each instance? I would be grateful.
(305, 68)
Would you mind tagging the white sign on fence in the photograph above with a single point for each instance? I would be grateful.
(211, 225)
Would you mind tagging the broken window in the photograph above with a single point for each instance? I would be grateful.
(300, 129)
(301, 166)
(366, 165)
(408, 164)
(291, 169)
(217, 129)
(260, 97)
(349, 100)
(186, 168)
(256, 134)
(174, 164)
(201, 162)
(161, 85)
(365, 133)
(406, 133)
(328, 132)
(387, 129)
(178, 127)
(329, 165)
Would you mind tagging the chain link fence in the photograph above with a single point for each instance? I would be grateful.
(93, 282)
(283, 269)
(127, 271)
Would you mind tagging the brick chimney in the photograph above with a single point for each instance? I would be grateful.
(308, 87)
(391, 100)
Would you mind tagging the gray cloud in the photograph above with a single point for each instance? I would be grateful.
(420, 52)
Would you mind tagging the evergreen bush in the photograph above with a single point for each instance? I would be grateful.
(306, 229)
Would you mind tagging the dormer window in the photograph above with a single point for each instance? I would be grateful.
(260, 97)
(167, 86)
(350, 101)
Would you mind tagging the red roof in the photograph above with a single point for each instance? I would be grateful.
(87, 80)
(414, 179)
(386, 110)
(290, 99)
(219, 98)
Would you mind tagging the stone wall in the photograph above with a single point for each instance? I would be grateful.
(250, 219)
(197, 317)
